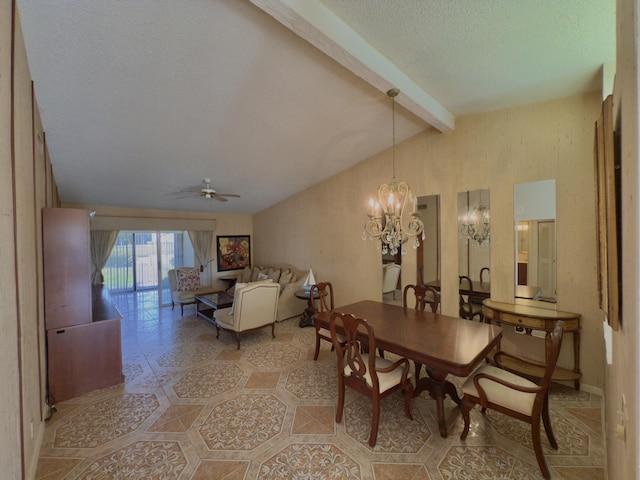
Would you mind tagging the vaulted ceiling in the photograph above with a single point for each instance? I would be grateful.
(145, 98)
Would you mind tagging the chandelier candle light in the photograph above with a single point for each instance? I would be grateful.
(392, 199)
(476, 225)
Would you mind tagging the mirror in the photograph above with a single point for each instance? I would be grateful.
(428, 253)
(474, 227)
(534, 206)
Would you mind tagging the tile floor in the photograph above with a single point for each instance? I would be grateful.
(193, 407)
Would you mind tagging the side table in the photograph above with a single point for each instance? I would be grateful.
(306, 320)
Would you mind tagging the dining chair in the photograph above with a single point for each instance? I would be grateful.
(368, 374)
(497, 388)
(322, 295)
(483, 271)
(424, 295)
(471, 306)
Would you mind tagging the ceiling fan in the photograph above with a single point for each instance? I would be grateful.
(205, 190)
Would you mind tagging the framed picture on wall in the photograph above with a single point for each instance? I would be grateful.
(234, 252)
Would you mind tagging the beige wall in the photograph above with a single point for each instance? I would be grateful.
(622, 373)
(322, 226)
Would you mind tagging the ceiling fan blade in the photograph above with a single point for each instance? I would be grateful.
(228, 195)
(219, 198)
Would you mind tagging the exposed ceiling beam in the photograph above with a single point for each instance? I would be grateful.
(314, 22)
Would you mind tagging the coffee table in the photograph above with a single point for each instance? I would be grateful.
(212, 302)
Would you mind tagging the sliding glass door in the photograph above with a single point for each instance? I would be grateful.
(140, 261)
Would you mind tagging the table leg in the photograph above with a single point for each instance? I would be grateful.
(306, 320)
(438, 387)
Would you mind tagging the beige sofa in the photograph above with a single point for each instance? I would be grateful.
(184, 283)
(290, 280)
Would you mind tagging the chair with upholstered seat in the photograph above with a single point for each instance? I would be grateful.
(472, 305)
(184, 284)
(366, 373)
(390, 277)
(496, 388)
(322, 295)
(255, 306)
(424, 295)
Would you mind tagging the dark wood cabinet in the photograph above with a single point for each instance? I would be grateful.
(84, 349)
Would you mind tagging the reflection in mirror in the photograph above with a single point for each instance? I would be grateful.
(535, 220)
(474, 226)
(474, 251)
(428, 254)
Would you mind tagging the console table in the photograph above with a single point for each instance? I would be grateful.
(532, 318)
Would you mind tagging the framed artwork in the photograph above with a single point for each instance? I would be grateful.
(234, 252)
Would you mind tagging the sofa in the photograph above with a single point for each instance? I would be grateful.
(184, 283)
(290, 280)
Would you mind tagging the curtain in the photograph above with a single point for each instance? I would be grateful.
(201, 242)
(102, 242)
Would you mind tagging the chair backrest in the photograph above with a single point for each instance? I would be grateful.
(324, 292)
(390, 276)
(352, 363)
(465, 284)
(485, 271)
(423, 295)
(255, 305)
(173, 277)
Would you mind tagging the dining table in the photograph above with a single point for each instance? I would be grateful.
(444, 345)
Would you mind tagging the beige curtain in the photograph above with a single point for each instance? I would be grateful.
(102, 242)
(201, 242)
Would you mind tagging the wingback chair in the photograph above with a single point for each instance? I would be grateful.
(254, 306)
(184, 283)
(498, 389)
(390, 276)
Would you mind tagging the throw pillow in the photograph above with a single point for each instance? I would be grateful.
(274, 274)
(285, 279)
(187, 279)
(255, 273)
(262, 276)
(246, 274)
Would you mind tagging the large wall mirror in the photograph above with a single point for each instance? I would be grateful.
(428, 255)
(534, 206)
(474, 227)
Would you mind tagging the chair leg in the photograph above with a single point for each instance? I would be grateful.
(418, 367)
(172, 305)
(238, 339)
(317, 352)
(375, 420)
(547, 423)
(537, 447)
(182, 309)
(408, 395)
(465, 408)
(273, 330)
(381, 352)
(340, 400)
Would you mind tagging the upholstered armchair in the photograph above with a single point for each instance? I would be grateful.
(255, 305)
(184, 283)
(390, 276)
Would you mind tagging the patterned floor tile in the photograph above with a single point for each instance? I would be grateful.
(263, 380)
(55, 468)
(485, 463)
(177, 418)
(310, 461)
(395, 471)
(221, 470)
(208, 381)
(314, 420)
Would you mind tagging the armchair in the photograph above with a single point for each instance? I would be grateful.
(254, 306)
(184, 283)
(496, 388)
(390, 276)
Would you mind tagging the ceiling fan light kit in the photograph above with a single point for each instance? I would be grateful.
(205, 190)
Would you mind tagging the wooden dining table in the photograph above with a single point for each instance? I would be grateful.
(444, 345)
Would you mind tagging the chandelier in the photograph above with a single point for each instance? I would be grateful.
(476, 224)
(386, 215)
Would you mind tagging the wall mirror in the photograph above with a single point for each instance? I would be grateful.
(428, 253)
(534, 206)
(474, 228)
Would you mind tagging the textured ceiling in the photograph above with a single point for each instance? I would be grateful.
(143, 98)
